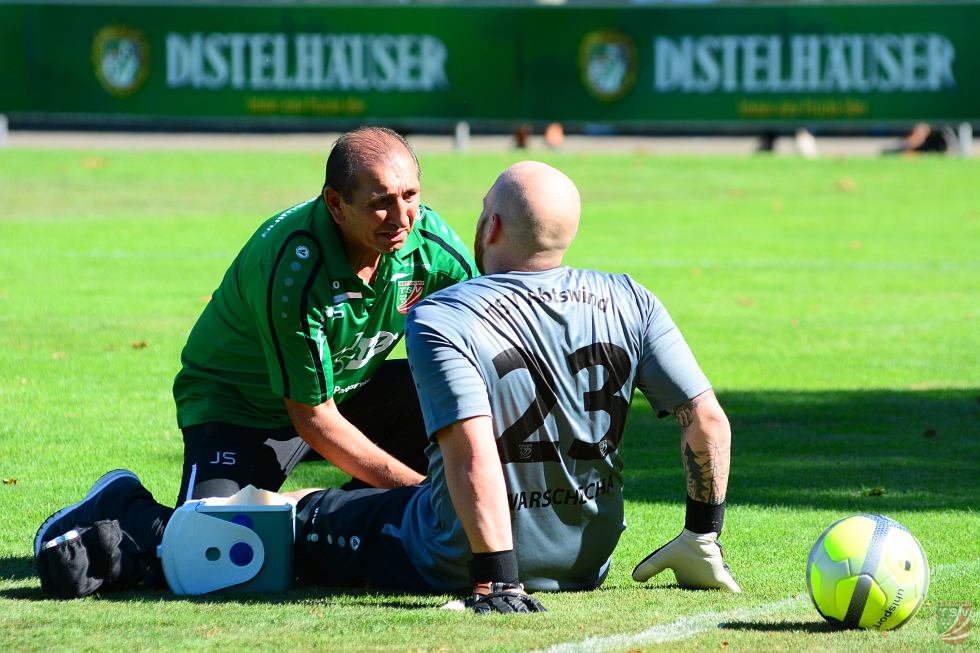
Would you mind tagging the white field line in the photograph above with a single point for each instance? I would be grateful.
(675, 630)
(698, 623)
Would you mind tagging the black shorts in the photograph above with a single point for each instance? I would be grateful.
(229, 457)
(350, 538)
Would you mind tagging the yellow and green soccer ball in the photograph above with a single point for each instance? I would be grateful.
(867, 571)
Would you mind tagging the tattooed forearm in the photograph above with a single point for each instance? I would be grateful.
(684, 414)
(705, 479)
(706, 441)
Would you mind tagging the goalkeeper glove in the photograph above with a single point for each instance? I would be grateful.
(502, 597)
(696, 559)
(496, 588)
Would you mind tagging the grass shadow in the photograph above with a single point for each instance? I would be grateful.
(17, 568)
(298, 594)
(843, 450)
(847, 451)
(782, 626)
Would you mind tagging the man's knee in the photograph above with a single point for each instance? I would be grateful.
(220, 459)
(306, 509)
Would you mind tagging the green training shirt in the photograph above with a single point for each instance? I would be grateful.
(291, 318)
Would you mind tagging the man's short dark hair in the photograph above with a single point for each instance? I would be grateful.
(356, 147)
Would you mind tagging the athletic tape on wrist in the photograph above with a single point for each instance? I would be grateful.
(496, 567)
(704, 517)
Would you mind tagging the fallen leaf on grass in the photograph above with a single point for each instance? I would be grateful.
(10, 481)
(139, 344)
(877, 491)
(57, 355)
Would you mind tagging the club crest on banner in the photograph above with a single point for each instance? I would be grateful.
(409, 294)
(608, 64)
(121, 58)
(954, 621)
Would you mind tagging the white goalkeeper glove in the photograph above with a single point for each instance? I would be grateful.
(696, 560)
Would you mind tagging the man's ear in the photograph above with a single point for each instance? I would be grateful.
(495, 229)
(333, 200)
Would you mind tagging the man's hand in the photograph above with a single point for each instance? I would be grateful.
(502, 597)
(332, 436)
(696, 560)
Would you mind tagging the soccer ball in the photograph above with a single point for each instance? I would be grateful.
(867, 571)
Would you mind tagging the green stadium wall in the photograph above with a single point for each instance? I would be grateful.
(643, 67)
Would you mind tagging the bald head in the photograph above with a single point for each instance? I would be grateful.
(530, 217)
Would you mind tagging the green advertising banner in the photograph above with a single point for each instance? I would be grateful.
(647, 66)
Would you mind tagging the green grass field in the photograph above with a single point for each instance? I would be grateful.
(833, 303)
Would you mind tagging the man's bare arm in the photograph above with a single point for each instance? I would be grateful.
(476, 484)
(343, 444)
(475, 479)
(695, 555)
(706, 440)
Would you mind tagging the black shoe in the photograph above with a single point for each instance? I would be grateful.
(94, 558)
(90, 509)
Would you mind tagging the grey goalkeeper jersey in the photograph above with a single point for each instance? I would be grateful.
(554, 358)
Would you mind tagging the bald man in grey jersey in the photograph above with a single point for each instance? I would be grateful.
(525, 377)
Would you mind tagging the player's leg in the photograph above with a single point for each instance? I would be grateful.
(387, 410)
(108, 539)
(227, 458)
(220, 459)
(353, 538)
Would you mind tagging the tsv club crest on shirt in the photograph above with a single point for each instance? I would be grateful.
(409, 294)
(608, 63)
(121, 58)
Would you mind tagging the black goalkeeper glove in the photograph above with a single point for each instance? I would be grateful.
(503, 594)
(502, 597)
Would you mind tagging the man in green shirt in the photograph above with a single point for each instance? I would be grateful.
(289, 354)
